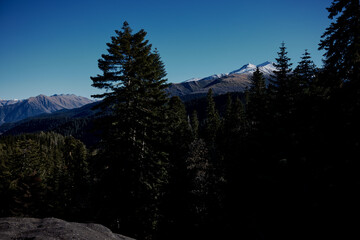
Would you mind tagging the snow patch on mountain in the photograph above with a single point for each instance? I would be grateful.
(244, 69)
(266, 68)
(8, 102)
(215, 76)
(192, 80)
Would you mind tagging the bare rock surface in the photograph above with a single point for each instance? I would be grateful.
(53, 229)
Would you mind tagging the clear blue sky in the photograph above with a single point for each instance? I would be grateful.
(52, 46)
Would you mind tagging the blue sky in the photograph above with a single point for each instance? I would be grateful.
(52, 46)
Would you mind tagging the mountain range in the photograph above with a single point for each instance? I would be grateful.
(16, 110)
(234, 81)
(12, 111)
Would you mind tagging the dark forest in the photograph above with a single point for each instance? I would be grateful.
(278, 161)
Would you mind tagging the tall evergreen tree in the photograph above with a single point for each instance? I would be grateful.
(194, 123)
(238, 116)
(280, 79)
(304, 80)
(342, 41)
(235, 120)
(226, 124)
(258, 86)
(306, 70)
(257, 97)
(133, 77)
(212, 122)
(200, 179)
(281, 87)
(234, 129)
(175, 206)
(215, 170)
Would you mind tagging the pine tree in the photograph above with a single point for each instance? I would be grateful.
(305, 71)
(199, 173)
(234, 121)
(257, 97)
(238, 117)
(281, 87)
(194, 123)
(133, 77)
(212, 122)
(342, 41)
(75, 178)
(226, 133)
(258, 86)
(280, 79)
(215, 167)
(226, 123)
(304, 81)
(178, 120)
(234, 128)
(174, 206)
(5, 180)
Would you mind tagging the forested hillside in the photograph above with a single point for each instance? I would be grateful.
(43, 174)
(278, 161)
(78, 123)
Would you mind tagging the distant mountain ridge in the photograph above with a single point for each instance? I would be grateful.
(16, 110)
(235, 81)
(7, 102)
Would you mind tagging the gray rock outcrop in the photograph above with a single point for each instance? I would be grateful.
(53, 229)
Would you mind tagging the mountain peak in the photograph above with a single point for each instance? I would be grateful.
(235, 81)
(266, 68)
(246, 68)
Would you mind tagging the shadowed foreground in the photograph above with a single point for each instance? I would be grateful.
(53, 229)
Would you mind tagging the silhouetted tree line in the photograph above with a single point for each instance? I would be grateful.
(280, 161)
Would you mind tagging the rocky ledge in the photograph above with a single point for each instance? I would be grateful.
(53, 229)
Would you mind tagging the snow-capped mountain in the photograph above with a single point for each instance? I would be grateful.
(215, 76)
(234, 81)
(266, 68)
(245, 69)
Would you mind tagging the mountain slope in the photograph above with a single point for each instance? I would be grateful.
(39, 105)
(235, 81)
(76, 122)
(7, 102)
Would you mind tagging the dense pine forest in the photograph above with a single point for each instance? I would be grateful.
(279, 161)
